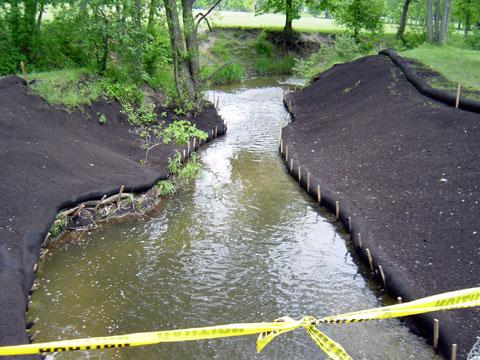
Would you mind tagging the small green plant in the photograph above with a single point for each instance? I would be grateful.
(174, 164)
(59, 225)
(181, 131)
(102, 119)
(139, 115)
(165, 188)
(190, 170)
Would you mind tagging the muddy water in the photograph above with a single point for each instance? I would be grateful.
(243, 244)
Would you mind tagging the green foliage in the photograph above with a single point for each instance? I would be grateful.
(139, 115)
(71, 88)
(102, 119)
(229, 74)
(345, 48)
(184, 172)
(262, 46)
(181, 131)
(165, 187)
(455, 64)
(358, 15)
(59, 225)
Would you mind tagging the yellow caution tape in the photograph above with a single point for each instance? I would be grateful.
(447, 301)
(268, 330)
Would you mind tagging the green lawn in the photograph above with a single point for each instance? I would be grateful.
(455, 64)
(307, 23)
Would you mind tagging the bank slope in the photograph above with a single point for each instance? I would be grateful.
(51, 159)
(406, 170)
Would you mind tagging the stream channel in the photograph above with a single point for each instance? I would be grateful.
(243, 244)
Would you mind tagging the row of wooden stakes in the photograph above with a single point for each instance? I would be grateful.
(284, 151)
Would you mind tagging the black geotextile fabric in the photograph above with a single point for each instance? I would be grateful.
(424, 88)
(51, 159)
(406, 170)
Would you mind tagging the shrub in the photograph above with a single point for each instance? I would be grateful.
(231, 73)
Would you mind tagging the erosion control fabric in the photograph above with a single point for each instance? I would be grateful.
(50, 159)
(404, 168)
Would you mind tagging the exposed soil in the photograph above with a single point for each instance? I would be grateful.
(406, 170)
(53, 159)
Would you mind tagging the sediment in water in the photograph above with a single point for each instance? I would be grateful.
(404, 170)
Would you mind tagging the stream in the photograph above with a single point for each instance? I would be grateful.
(243, 243)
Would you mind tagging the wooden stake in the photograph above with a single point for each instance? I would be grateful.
(194, 143)
(453, 356)
(45, 241)
(281, 146)
(457, 99)
(35, 268)
(299, 175)
(34, 335)
(216, 131)
(188, 147)
(319, 194)
(382, 275)
(22, 67)
(337, 210)
(369, 257)
(359, 236)
(184, 155)
(217, 106)
(291, 165)
(120, 195)
(399, 299)
(308, 182)
(286, 153)
(32, 289)
(349, 224)
(213, 133)
(436, 333)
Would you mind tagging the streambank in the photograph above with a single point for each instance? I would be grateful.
(52, 159)
(404, 170)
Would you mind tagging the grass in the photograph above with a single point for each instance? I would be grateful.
(455, 64)
(307, 23)
(69, 87)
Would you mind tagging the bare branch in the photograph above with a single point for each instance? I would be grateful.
(203, 16)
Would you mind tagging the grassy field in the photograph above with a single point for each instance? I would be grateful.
(455, 64)
(248, 20)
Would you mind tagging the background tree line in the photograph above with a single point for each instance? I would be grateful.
(155, 41)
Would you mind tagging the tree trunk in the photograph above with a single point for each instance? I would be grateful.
(152, 9)
(288, 28)
(403, 19)
(430, 21)
(40, 15)
(183, 82)
(191, 41)
(137, 19)
(445, 20)
(29, 27)
(466, 27)
(437, 20)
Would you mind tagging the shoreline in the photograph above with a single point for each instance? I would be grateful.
(55, 160)
(341, 142)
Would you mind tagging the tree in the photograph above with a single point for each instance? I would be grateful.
(185, 53)
(467, 12)
(359, 15)
(403, 19)
(291, 9)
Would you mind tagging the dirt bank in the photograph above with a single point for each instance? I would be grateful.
(405, 170)
(51, 159)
